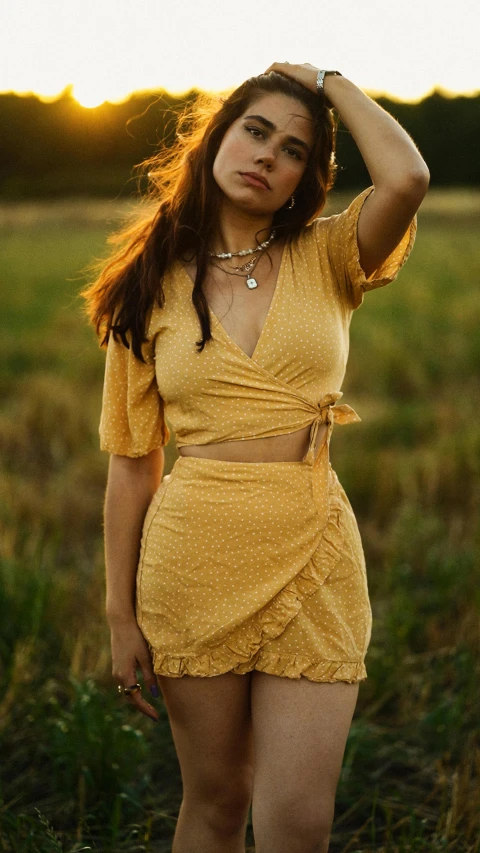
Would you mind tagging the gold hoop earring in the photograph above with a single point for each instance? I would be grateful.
(292, 203)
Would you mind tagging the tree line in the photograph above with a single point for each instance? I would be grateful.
(60, 148)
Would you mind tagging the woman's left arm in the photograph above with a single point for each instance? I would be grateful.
(399, 174)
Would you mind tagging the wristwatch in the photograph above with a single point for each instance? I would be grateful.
(321, 77)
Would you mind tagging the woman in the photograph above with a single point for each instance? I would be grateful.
(249, 607)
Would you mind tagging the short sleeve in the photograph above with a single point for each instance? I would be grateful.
(132, 421)
(343, 251)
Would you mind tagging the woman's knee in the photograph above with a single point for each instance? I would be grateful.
(301, 825)
(224, 800)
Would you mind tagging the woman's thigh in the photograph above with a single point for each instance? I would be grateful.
(210, 720)
(300, 730)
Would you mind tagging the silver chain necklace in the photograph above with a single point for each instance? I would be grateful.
(247, 267)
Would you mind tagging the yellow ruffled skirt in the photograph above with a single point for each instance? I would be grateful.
(244, 567)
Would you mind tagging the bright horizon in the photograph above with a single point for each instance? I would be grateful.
(107, 51)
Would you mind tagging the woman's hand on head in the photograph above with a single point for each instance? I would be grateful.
(130, 653)
(305, 74)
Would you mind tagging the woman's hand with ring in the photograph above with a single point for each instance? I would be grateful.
(130, 653)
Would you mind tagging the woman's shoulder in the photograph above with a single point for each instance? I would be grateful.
(176, 290)
(329, 227)
(313, 235)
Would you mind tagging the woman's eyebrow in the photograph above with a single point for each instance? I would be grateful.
(271, 126)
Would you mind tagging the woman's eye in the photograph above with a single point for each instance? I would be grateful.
(292, 152)
(255, 131)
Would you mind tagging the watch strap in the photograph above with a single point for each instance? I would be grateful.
(321, 77)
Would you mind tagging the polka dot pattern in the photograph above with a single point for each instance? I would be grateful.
(249, 565)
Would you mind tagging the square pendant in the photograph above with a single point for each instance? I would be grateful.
(251, 283)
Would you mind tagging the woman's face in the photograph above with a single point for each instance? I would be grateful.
(264, 153)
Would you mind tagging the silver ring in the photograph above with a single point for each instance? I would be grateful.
(127, 691)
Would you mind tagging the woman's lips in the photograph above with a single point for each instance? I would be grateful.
(255, 180)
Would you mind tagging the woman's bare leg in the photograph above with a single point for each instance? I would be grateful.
(211, 727)
(300, 730)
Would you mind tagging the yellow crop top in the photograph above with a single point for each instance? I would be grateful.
(294, 376)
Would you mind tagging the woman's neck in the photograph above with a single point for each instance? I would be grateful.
(239, 230)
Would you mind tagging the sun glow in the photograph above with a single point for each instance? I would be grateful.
(87, 96)
(92, 89)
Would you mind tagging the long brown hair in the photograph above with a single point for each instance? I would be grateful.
(182, 209)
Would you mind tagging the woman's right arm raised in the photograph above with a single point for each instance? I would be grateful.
(131, 485)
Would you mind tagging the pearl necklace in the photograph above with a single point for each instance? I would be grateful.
(249, 265)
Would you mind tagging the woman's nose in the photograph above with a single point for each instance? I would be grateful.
(266, 156)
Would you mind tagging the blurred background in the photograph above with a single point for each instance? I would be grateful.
(87, 91)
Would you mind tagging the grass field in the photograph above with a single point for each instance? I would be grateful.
(81, 771)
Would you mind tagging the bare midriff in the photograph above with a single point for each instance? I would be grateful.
(276, 448)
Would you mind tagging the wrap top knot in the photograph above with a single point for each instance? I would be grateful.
(328, 413)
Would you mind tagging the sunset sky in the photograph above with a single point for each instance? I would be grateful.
(109, 49)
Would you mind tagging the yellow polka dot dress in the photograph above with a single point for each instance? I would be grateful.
(251, 565)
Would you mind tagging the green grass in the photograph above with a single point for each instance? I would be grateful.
(81, 771)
